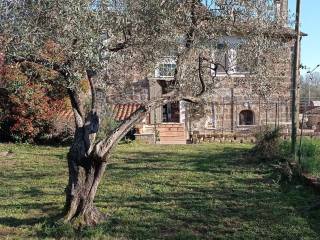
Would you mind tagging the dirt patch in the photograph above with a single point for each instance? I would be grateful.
(6, 154)
(8, 231)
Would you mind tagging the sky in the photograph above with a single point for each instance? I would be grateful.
(310, 24)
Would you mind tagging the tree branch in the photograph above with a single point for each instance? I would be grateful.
(46, 63)
(190, 33)
(215, 68)
(121, 45)
(76, 107)
(203, 86)
(118, 47)
(90, 75)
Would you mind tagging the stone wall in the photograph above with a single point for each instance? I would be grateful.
(224, 115)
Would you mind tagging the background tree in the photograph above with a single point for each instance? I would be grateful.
(310, 86)
(111, 42)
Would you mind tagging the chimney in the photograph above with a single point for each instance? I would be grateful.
(284, 11)
(281, 11)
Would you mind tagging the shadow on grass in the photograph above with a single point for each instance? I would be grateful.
(226, 214)
(247, 204)
(60, 156)
(216, 194)
(49, 224)
(17, 222)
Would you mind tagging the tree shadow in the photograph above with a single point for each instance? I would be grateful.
(51, 210)
(60, 156)
(43, 225)
(202, 195)
(204, 211)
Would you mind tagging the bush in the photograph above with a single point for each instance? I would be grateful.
(107, 126)
(59, 138)
(32, 98)
(268, 145)
(285, 149)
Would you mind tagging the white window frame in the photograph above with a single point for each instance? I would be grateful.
(165, 60)
(231, 61)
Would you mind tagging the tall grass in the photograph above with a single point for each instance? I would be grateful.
(310, 156)
(271, 147)
(268, 144)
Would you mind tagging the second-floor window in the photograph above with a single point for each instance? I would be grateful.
(227, 57)
(227, 53)
(116, 6)
(167, 69)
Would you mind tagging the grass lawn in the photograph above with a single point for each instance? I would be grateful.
(158, 192)
(310, 156)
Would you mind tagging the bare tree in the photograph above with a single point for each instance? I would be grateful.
(111, 41)
(310, 87)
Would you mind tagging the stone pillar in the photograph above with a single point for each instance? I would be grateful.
(232, 110)
(182, 108)
(155, 92)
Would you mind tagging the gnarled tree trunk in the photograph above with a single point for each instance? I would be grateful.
(87, 159)
(85, 173)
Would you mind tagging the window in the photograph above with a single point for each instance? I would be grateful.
(171, 112)
(227, 57)
(246, 117)
(232, 60)
(227, 52)
(167, 69)
(117, 6)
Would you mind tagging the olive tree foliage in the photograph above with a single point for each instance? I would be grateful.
(111, 42)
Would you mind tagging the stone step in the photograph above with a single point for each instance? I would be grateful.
(170, 125)
(171, 130)
(173, 142)
(170, 134)
(169, 138)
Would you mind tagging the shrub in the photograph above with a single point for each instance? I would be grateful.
(285, 149)
(268, 145)
(32, 98)
(107, 126)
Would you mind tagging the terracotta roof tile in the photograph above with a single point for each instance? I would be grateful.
(121, 112)
(65, 115)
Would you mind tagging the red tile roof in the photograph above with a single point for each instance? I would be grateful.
(65, 115)
(121, 112)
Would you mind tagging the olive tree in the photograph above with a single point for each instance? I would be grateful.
(111, 41)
